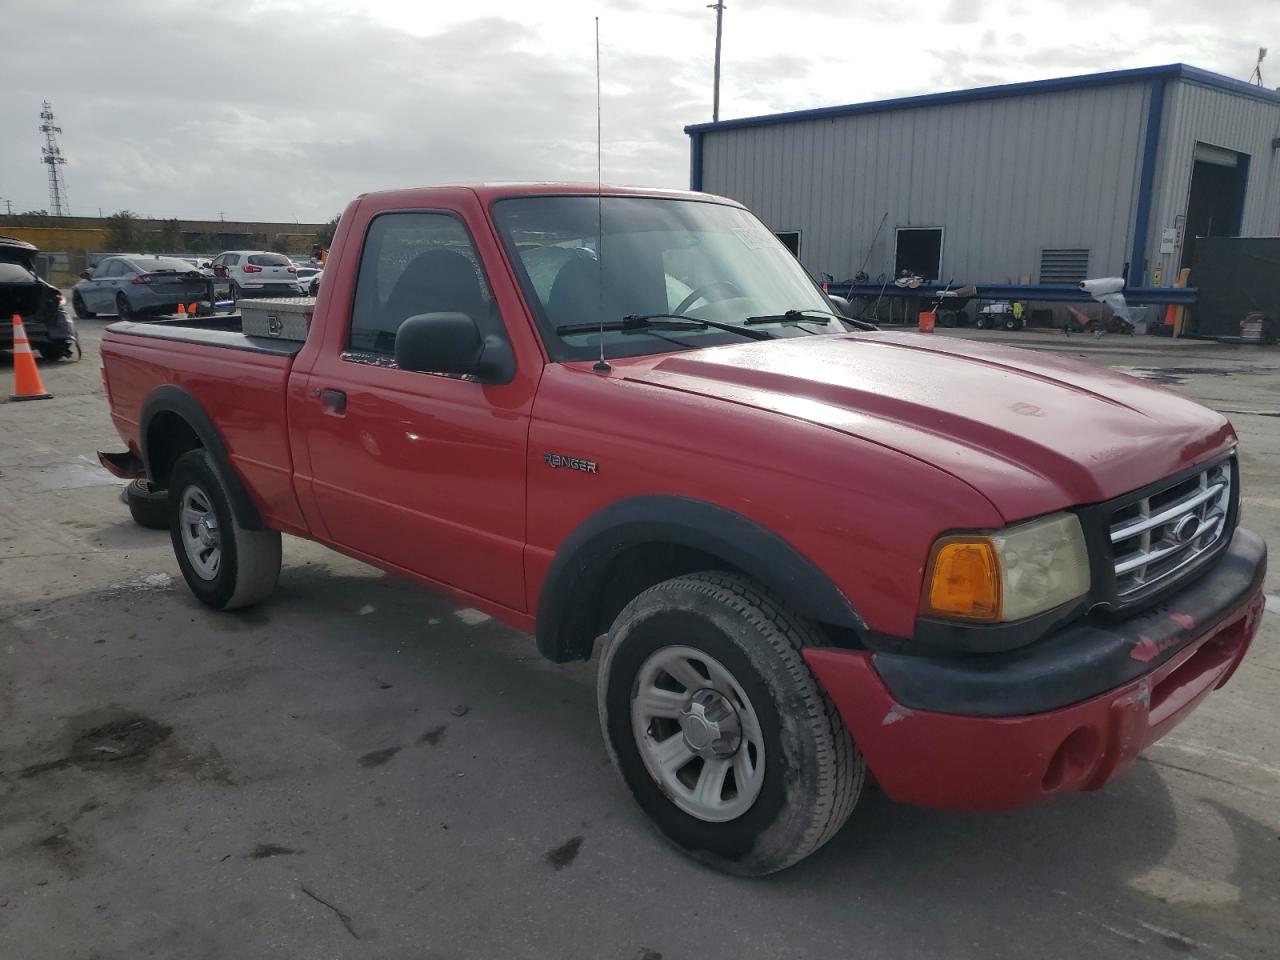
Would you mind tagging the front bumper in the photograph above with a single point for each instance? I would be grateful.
(1005, 730)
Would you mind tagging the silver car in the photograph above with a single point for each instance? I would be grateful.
(256, 273)
(130, 285)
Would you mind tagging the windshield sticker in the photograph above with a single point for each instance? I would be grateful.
(753, 239)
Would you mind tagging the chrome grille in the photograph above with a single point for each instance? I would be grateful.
(1155, 539)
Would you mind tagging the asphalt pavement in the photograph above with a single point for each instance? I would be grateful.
(360, 769)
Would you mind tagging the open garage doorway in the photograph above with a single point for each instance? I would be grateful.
(1216, 200)
(919, 250)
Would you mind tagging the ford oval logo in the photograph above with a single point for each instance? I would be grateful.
(1183, 531)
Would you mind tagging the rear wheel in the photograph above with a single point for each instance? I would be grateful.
(226, 565)
(983, 321)
(1012, 323)
(55, 350)
(719, 728)
(123, 310)
(77, 304)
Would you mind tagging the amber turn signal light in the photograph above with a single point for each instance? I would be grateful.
(963, 580)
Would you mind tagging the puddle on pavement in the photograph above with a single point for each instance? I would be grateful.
(1176, 375)
(127, 738)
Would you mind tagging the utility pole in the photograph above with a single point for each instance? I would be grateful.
(52, 157)
(718, 7)
(8, 207)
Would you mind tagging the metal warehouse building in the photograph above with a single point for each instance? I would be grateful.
(1102, 175)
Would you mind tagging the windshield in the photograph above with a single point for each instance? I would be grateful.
(687, 258)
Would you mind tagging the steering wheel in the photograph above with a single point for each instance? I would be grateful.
(700, 293)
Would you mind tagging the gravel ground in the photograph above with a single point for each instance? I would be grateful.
(360, 769)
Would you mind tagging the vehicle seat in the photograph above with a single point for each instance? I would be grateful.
(575, 294)
(438, 281)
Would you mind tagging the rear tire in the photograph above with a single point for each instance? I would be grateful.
(226, 565)
(123, 310)
(77, 304)
(983, 322)
(747, 803)
(148, 506)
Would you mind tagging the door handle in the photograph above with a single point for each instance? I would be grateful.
(334, 401)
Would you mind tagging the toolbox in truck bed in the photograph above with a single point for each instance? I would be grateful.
(280, 318)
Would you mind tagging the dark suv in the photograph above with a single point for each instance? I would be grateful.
(38, 302)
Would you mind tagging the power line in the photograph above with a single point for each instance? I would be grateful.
(52, 157)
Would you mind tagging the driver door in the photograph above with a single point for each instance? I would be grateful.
(420, 470)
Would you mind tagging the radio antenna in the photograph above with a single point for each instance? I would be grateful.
(601, 365)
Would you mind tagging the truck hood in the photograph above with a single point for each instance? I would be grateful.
(1031, 431)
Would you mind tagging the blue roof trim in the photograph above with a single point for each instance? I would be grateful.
(1109, 78)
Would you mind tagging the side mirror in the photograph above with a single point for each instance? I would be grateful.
(843, 306)
(451, 343)
(86, 275)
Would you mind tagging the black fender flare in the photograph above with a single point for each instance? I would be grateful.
(566, 627)
(175, 400)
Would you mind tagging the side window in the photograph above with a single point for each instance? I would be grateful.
(232, 259)
(115, 269)
(415, 263)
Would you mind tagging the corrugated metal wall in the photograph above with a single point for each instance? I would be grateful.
(1004, 177)
(1195, 113)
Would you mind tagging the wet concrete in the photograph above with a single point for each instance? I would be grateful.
(357, 770)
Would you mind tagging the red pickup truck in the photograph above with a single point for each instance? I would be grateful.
(631, 424)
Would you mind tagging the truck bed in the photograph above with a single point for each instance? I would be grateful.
(240, 381)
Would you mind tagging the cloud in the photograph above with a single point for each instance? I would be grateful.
(287, 109)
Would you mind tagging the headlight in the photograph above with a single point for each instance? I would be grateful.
(1009, 574)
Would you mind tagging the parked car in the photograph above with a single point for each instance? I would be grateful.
(252, 273)
(38, 302)
(128, 286)
(803, 550)
(309, 279)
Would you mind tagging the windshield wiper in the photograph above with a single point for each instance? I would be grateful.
(663, 321)
(801, 316)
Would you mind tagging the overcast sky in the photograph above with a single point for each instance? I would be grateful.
(284, 109)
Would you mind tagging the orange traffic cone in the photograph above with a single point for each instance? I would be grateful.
(27, 384)
(182, 309)
(191, 310)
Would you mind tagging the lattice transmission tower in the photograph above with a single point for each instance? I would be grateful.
(51, 156)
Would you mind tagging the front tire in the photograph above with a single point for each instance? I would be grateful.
(719, 728)
(226, 565)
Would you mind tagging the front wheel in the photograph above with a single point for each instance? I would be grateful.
(1013, 323)
(226, 565)
(719, 728)
(81, 311)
